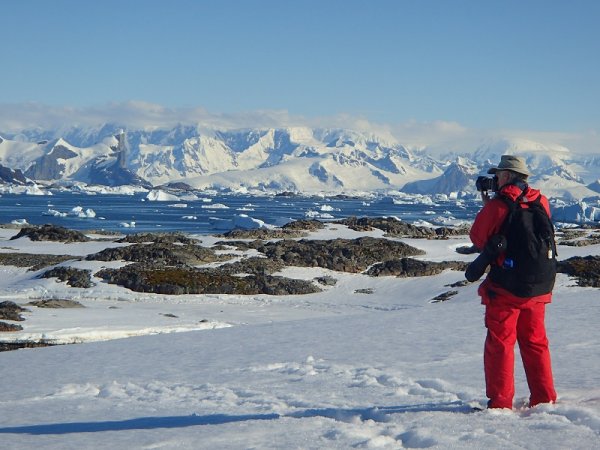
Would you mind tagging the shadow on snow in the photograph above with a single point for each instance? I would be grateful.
(378, 414)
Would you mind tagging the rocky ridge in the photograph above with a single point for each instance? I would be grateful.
(247, 263)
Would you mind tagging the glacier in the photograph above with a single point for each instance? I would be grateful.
(297, 160)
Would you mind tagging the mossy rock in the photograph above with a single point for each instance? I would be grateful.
(162, 238)
(33, 261)
(585, 269)
(49, 232)
(409, 267)
(159, 253)
(343, 255)
(185, 280)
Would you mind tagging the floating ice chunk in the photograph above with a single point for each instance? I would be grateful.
(98, 189)
(189, 197)
(35, 190)
(190, 217)
(19, 222)
(79, 212)
(160, 196)
(423, 223)
(426, 201)
(246, 222)
(240, 190)
(27, 190)
(55, 213)
(328, 208)
(215, 206)
(178, 205)
(127, 224)
(317, 215)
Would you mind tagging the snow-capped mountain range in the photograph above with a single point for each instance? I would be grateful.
(296, 159)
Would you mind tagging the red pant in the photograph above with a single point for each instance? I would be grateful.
(507, 324)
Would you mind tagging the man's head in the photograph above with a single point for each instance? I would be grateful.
(511, 168)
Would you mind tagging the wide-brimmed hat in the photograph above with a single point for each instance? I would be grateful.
(510, 162)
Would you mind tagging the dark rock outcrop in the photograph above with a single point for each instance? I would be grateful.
(308, 225)
(326, 280)
(585, 269)
(11, 311)
(158, 238)
(255, 265)
(443, 296)
(581, 242)
(9, 327)
(34, 262)
(186, 280)
(8, 175)
(56, 303)
(74, 277)
(49, 232)
(263, 233)
(343, 255)
(8, 346)
(578, 237)
(397, 228)
(159, 254)
(409, 267)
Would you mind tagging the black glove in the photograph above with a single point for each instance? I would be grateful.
(495, 245)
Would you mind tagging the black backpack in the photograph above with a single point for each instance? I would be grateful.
(529, 267)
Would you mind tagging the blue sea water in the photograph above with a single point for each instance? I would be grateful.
(114, 212)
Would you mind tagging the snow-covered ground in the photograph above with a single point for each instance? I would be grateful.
(333, 370)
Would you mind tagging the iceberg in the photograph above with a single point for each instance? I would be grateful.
(79, 212)
(160, 196)
(127, 224)
(317, 215)
(54, 213)
(575, 212)
(35, 190)
(215, 206)
(246, 222)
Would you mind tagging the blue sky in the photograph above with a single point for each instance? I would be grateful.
(526, 65)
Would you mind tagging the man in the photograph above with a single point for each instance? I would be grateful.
(508, 317)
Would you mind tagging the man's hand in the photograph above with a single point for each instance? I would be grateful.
(485, 197)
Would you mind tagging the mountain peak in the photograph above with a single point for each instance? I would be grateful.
(302, 159)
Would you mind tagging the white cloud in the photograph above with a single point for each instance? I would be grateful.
(138, 114)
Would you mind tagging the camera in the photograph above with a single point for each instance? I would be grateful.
(484, 184)
(495, 245)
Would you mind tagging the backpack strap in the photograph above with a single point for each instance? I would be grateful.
(524, 284)
(512, 206)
